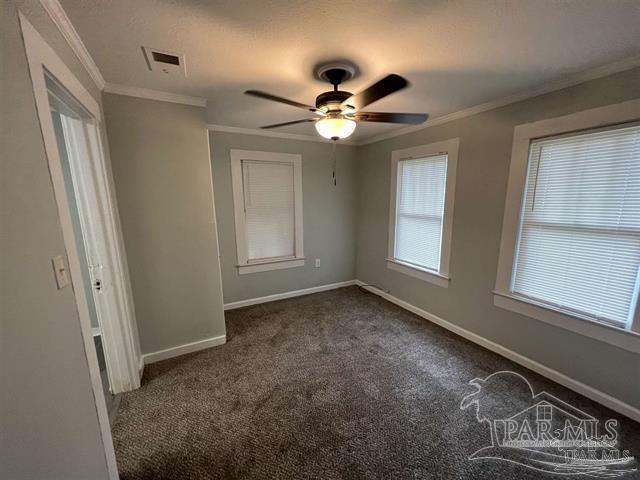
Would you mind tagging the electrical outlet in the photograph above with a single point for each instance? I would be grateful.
(317, 263)
(60, 271)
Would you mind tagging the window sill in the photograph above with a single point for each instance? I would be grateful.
(619, 337)
(417, 272)
(270, 265)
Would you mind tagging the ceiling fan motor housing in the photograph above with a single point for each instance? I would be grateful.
(331, 100)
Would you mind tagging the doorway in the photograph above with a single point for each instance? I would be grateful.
(72, 125)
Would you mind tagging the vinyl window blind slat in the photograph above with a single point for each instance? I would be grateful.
(579, 239)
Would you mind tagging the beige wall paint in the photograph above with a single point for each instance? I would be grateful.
(48, 415)
(329, 216)
(483, 165)
(160, 161)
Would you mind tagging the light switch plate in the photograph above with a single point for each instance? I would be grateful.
(317, 263)
(60, 271)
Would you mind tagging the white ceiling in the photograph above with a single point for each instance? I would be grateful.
(456, 54)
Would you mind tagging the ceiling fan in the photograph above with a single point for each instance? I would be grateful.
(338, 110)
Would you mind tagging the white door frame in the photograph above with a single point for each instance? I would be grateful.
(120, 339)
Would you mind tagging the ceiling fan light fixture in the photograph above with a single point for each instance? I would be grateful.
(335, 127)
(338, 111)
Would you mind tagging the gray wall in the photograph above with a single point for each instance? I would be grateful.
(160, 161)
(329, 216)
(483, 165)
(49, 424)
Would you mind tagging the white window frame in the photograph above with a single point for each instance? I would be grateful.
(625, 112)
(244, 264)
(450, 148)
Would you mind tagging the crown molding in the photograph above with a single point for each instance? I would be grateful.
(60, 19)
(154, 95)
(271, 133)
(552, 86)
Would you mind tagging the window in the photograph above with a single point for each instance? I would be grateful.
(579, 239)
(420, 210)
(267, 196)
(570, 252)
(423, 180)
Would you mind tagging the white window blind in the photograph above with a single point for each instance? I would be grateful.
(420, 210)
(579, 239)
(269, 209)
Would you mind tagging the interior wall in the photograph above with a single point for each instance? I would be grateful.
(483, 166)
(48, 414)
(160, 162)
(328, 216)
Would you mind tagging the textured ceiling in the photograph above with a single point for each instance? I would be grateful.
(457, 54)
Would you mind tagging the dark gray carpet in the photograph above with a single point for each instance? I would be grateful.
(340, 384)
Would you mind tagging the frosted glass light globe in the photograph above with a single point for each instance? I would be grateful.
(335, 127)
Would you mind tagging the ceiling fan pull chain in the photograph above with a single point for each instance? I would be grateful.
(335, 183)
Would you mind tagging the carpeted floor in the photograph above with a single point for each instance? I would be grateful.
(335, 385)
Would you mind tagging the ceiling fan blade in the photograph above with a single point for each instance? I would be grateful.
(407, 118)
(275, 98)
(388, 85)
(276, 125)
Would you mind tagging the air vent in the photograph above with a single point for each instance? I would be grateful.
(164, 62)
(166, 58)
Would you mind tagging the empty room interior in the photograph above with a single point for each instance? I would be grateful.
(320, 239)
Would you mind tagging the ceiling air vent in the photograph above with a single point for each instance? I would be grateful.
(162, 61)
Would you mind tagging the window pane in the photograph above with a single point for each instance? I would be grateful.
(591, 180)
(593, 273)
(418, 240)
(269, 209)
(579, 245)
(419, 210)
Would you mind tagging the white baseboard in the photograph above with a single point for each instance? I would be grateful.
(575, 385)
(183, 349)
(281, 296)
